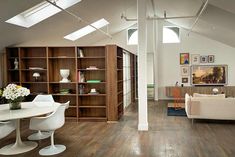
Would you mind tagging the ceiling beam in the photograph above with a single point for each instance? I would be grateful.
(202, 9)
(79, 18)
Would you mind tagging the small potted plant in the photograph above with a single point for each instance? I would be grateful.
(15, 94)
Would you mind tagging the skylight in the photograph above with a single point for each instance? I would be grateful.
(171, 34)
(40, 12)
(86, 30)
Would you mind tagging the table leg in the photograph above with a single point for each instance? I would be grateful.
(19, 146)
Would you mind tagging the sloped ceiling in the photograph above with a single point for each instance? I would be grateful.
(52, 30)
(217, 22)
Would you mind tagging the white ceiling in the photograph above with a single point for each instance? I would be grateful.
(217, 22)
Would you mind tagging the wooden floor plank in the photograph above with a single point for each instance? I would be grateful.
(168, 136)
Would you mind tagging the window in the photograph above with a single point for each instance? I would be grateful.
(171, 34)
(39, 13)
(86, 30)
(132, 36)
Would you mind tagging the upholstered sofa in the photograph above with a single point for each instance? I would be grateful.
(202, 106)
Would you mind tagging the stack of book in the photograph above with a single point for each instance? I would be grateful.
(64, 91)
(93, 81)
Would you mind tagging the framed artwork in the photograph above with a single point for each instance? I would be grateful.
(184, 58)
(211, 59)
(195, 59)
(203, 59)
(184, 80)
(185, 70)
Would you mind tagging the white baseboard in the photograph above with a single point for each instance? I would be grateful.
(143, 127)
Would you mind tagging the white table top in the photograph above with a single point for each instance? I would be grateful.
(28, 109)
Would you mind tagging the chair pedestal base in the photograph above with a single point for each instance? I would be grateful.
(18, 147)
(39, 136)
(52, 150)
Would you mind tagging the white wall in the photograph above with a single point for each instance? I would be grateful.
(168, 54)
(169, 65)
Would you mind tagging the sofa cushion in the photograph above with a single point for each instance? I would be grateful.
(209, 95)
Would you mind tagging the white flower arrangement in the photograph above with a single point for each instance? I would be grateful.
(15, 93)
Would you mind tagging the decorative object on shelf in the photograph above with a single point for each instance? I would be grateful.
(15, 95)
(36, 76)
(82, 77)
(65, 91)
(184, 80)
(93, 91)
(176, 83)
(16, 63)
(211, 59)
(215, 91)
(64, 74)
(184, 58)
(81, 53)
(185, 70)
(81, 89)
(92, 68)
(203, 59)
(195, 59)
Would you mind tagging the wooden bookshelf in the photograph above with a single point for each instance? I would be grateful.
(106, 105)
(92, 106)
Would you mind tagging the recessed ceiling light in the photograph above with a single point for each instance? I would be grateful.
(86, 30)
(39, 13)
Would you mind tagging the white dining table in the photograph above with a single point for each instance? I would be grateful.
(29, 109)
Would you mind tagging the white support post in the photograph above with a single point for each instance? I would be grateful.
(155, 69)
(142, 66)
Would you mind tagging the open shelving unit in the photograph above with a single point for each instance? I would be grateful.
(101, 67)
(92, 106)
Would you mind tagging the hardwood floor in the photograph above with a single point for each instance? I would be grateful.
(167, 137)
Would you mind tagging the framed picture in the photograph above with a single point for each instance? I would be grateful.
(184, 58)
(211, 59)
(203, 59)
(185, 70)
(184, 80)
(195, 59)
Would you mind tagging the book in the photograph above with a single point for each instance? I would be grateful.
(93, 81)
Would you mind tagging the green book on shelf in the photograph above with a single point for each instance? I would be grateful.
(93, 81)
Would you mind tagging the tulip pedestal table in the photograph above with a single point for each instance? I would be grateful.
(28, 110)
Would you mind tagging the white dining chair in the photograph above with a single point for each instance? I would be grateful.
(41, 135)
(6, 128)
(51, 123)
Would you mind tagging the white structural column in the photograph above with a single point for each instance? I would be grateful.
(156, 50)
(142, 66)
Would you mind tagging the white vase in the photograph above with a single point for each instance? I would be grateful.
(64, 74)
